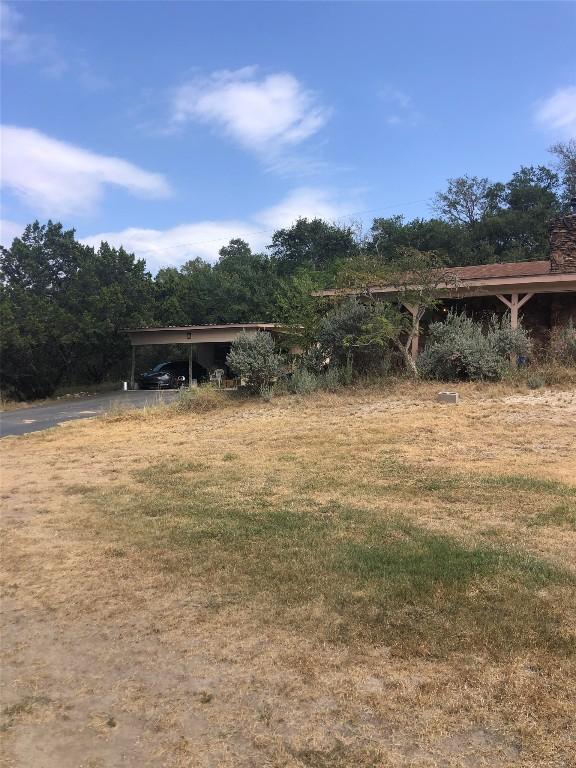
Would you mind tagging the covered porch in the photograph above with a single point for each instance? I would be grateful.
(531, 291)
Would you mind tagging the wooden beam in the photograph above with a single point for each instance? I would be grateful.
(524, 299)
(412, 308)
(504, 300)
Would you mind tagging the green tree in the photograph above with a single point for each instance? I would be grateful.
(244, 285)
(565, 154)
(64, 308)
(416, 281)
(311, 244)
(466, 200)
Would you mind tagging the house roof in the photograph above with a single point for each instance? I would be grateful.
(487, 280)
(509, 269)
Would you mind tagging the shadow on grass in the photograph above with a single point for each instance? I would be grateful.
(390, 581)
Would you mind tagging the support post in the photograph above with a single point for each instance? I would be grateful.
(133, 369)
(514, 304)
(190, 365)
(514, 311)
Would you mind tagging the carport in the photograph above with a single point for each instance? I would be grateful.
(210, 342)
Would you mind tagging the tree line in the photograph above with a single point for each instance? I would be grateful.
(64, 305)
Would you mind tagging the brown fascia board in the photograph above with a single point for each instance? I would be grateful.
(550, 283)
(223, 326)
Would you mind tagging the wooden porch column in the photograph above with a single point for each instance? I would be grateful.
(133, 369)
(413, 309)
(190, 365)
(514, 304)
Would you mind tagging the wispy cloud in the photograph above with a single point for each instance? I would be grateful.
(265, 114)
(55, 178)
(21, 46)
(557, 113)
(399, 108)
(174, 246)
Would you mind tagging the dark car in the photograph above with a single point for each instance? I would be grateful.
(170, 375)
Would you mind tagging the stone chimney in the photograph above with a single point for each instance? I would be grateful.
(563, 242)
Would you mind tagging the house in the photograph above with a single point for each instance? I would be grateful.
(543, 293)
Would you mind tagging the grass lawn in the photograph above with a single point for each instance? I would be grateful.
(361, 579)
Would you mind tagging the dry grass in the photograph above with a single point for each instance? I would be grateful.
(367, 578)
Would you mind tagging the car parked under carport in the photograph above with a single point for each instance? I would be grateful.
(170, 375)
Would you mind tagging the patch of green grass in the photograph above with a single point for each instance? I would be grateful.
(526, 483)
(415, 482)
(563, 515)
(387, 580)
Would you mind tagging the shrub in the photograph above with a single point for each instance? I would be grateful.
(331, 380)
(313, 359)
(199, 399)
(302, 382)
(562, 348)
(461, 349)
(535, 381)
(254, 359)
(339, 331)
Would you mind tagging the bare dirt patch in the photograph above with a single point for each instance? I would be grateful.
(125, 649)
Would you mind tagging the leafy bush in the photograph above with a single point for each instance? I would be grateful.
(331, 380)
(302, 382)
(313, 359)
(562, 348)
(254, 359)
(340, 331)
(461, 349)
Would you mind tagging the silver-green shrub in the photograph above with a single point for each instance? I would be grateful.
(461, 348)
(331, 380)
(302, 382)
(254, 359)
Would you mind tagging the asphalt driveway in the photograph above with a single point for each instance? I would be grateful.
(39, 417)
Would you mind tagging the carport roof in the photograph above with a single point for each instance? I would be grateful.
(231, 326)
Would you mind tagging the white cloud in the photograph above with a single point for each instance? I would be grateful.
(172, 247)
(9, 230)
(307, 202)
(54, 178)
(262, 113)
(400, 108)
(557, 113)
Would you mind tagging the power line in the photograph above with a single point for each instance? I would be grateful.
(274, 229)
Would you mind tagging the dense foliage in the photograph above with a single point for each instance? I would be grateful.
(254, 359)
(460, 348)
(64, 304)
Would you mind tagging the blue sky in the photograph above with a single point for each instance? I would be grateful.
(171, 127)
